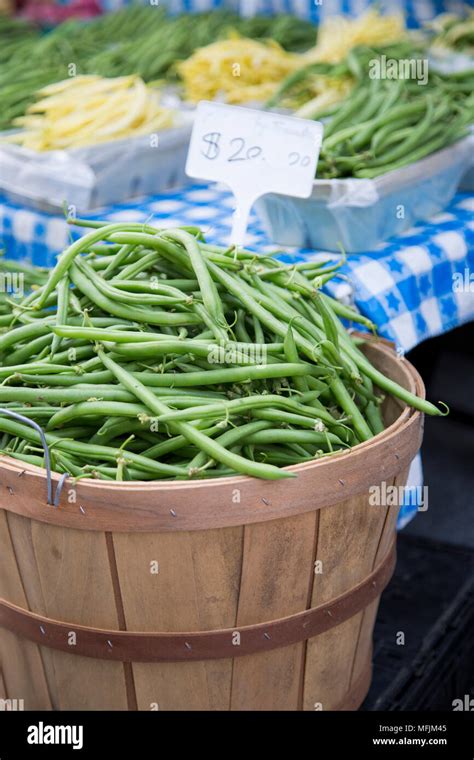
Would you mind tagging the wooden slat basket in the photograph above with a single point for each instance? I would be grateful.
(225, 594)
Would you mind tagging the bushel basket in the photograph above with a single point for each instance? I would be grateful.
(219, 594)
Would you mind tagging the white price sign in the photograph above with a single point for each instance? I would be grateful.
(254, 153)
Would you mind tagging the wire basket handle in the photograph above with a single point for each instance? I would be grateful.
(47, 457)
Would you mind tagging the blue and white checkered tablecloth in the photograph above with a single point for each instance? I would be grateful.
(406, 286)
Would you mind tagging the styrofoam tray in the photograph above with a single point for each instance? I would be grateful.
(97, 175)
(360, 213)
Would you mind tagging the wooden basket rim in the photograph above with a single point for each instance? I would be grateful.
(194, 505)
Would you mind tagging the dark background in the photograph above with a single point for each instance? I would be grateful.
(431, 597)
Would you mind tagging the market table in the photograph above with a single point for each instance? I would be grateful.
(406, 286)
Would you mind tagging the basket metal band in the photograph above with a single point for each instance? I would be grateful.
(128, 646)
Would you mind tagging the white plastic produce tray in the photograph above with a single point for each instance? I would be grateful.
(360, 213)
(97, 175)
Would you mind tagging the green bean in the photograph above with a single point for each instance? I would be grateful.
(136, 267)
(91, 452)
(138, 314)
(228, 439)
(94, 408)
(101, 249)
(415, 155)
(113, 408)
(63, 378)
(207, 286)
(265, 317)
(240, 329)
(236, 406)
(114, 427)
(136, 298)
(291, 354)
(277, 435)
(385, 134)
(344, 400)
(66, 258)
(290, 418)
(35, 412)
(38, 368)
(28, 458)
(151, 379)
(283, 306)
(72, 354)
(25, 333)
(68, 465)
(63, 395)
(221, 376)
(416, 135)
(62, 310)
(275, 455)
(76, 432)
(259, 335)
(114, 336)
(347, 312)
(33, 348)
(367, 129)
(374, 417)
(156, 344)
(328, 321)
(155, 285)
(121, 255)
(231, 353)
(217, 330)
(350, 107)
(173, 253)
(194, 436)
(175, 443)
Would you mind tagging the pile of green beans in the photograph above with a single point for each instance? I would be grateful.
(14, 33)
(150, 354)
(160, 41)
(298, 87)
(455, 32)
(385, 124)
(134, 40)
